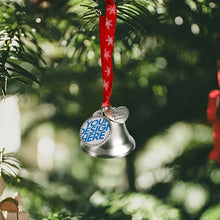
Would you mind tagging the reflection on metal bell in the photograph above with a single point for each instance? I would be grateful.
(115, 140)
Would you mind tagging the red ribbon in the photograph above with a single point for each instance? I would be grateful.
(218, 71)
(212, 116)
(107, 33)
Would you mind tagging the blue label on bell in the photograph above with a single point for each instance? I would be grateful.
(95, 131)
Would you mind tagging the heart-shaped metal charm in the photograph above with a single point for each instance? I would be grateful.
(119, 114)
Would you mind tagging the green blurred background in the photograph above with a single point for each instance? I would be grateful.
(164, 59)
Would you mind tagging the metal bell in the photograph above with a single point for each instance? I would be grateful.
(106, 136)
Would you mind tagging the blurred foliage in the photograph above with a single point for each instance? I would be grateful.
(9, 164)
(18, 46)
(164, 67)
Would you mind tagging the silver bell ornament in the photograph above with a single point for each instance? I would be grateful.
(105, 134)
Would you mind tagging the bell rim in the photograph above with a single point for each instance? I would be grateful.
(107, 156)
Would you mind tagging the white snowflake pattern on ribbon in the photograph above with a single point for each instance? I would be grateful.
(108, 23)
(109, 40)
(107, 54)
(112, 10)
(105, 85)
(108, 70)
